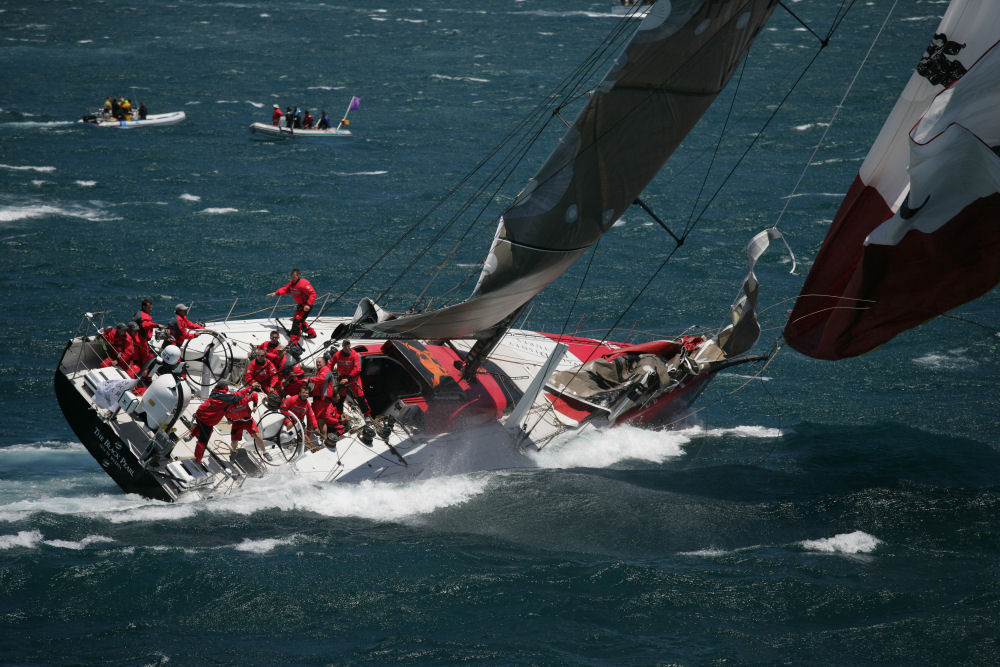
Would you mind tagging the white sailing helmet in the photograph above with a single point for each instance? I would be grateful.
(171, 354)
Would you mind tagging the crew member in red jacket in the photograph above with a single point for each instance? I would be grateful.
(299, 406)
(261, 371)
(276, 116)
(180, 326)
(140, 347)
(347, 363)
(323, 387)
(240, 416)
(211, 412)
(328, 413)
(121, 349)
(305, 296)
(291, 376)
(273, 348)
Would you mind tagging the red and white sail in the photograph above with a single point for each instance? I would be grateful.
(919, 230)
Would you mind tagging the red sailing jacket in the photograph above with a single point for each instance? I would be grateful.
(320, 387)
(300, 409)
(122, 344)
(271, 351)
(240, 410)
(347, 365)
(301, 290)
(264, 373)
(218, 404)
(180, 329)
(146, 324)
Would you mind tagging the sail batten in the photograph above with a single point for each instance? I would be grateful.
(680, 58)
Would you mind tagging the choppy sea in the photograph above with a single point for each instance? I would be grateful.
(816, 513)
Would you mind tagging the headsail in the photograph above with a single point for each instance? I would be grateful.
(918, 232)
(681, 57)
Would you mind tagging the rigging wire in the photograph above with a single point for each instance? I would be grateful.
(530, 129)
(840, 15)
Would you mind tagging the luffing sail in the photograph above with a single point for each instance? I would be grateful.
(679, 60)
(918, 232)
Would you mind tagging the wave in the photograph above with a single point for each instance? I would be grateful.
(186, 197)
(19, 167)
(361, 173)
(604, 449)
(858, 542)
(25, 538)
(85, 184)
(473, 79)
(219, 211)
(283, 491)
(264, 545)
(31, 211)
(953, 360)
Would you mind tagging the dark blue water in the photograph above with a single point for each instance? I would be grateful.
(820, 514)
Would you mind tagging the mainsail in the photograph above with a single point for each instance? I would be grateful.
(680, 58)
(919, 230)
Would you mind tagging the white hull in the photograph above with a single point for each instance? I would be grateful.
(275, 132)
(154, 120)
(122, 443)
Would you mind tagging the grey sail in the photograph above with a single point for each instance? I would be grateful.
(680, 58)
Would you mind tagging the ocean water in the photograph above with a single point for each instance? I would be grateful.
(815, 513)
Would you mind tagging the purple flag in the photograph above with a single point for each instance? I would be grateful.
(355, 103)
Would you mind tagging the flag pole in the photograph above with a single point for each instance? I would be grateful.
(353, 104)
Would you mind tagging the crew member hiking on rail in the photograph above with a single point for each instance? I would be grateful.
(305, 296)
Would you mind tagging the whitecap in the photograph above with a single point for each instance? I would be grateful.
(858, 542)
(361, 173)
(26, 538)
(377, 501)
(81, 544)
(187, 197)
(604, 448)
(264, 545)
(706, 553)
(31, 211)
(953, 360)
(219, 211)
(446, 77)
(16, 167)
(86, 184)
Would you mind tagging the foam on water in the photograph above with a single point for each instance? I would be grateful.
(79, 544)
(952, 360)
(26, 538)
(187, 197)
(378, 501)
(606, 448)
(29, 211)
(858, 542)
(15, 167)
(219, 211)
(264, 545)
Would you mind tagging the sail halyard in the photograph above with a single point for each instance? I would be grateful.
(678, 61)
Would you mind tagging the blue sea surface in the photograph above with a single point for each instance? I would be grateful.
(816, 513)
